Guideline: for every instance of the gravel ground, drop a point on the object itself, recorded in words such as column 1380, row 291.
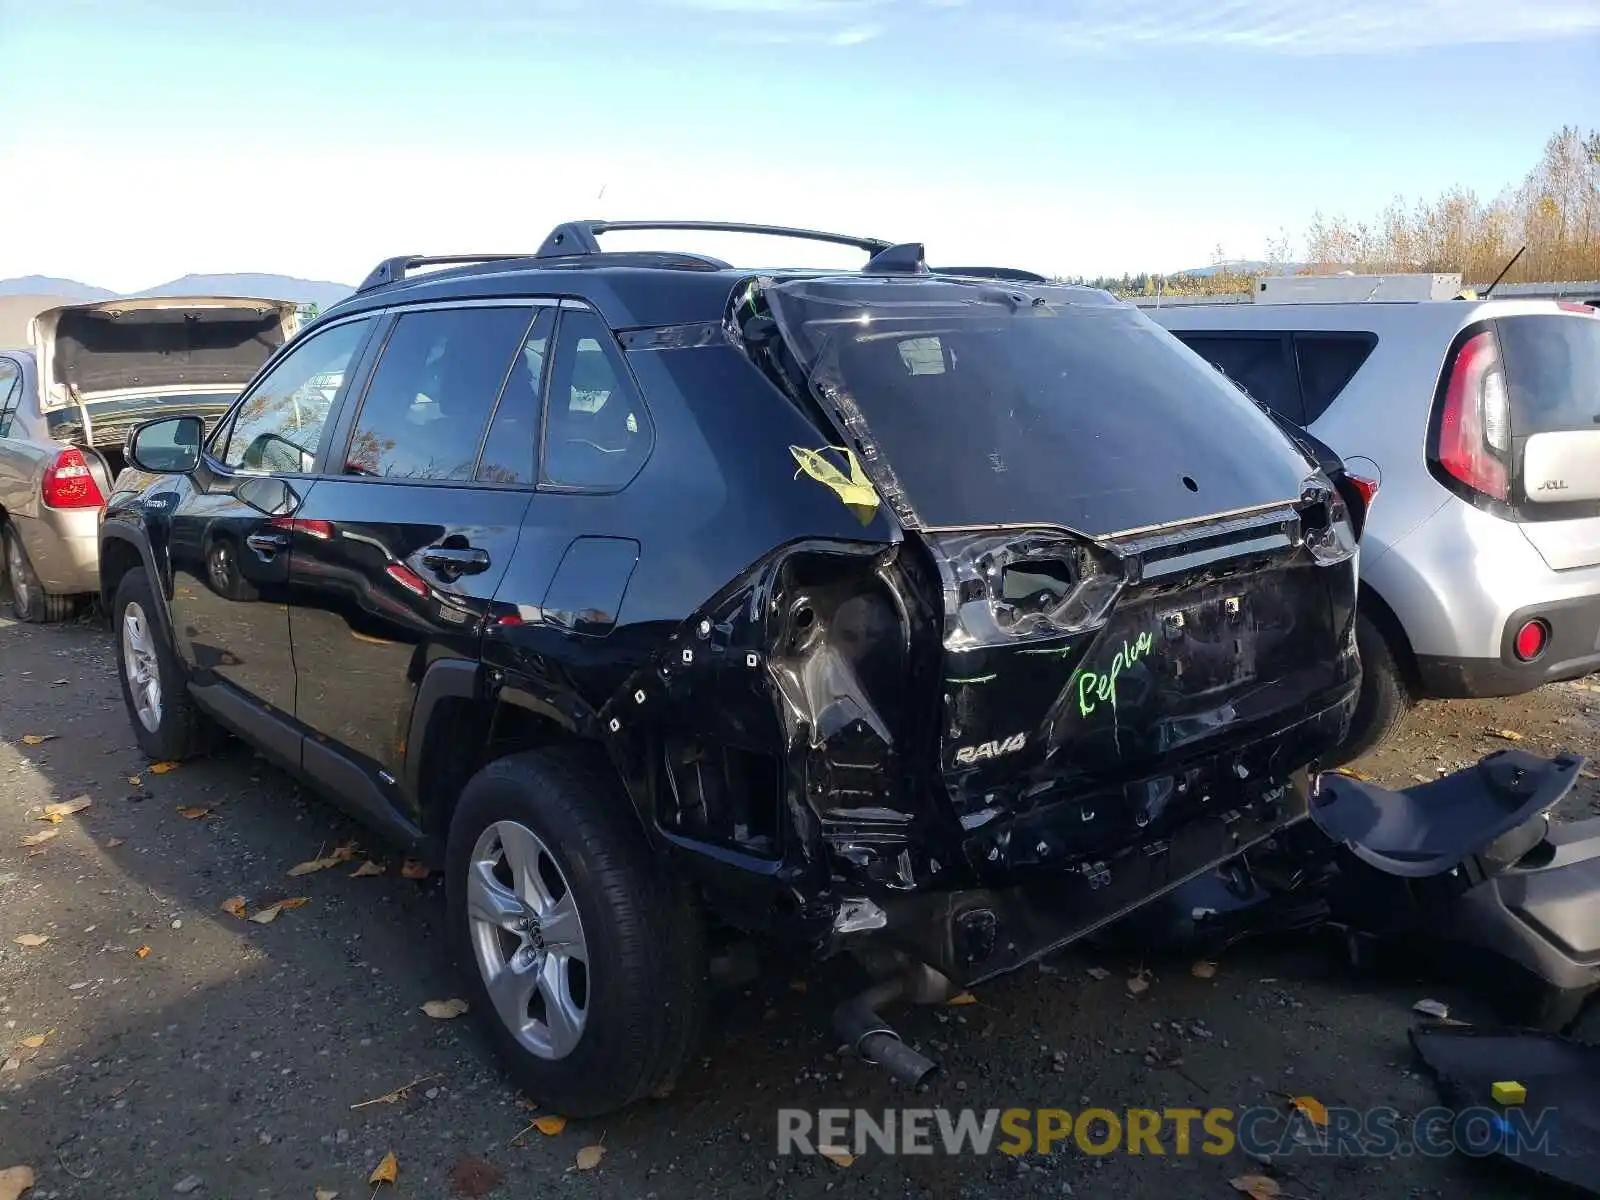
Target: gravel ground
column 224, row 1061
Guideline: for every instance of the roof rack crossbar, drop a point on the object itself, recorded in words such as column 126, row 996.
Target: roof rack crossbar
column 580, row 237
column 393, row 270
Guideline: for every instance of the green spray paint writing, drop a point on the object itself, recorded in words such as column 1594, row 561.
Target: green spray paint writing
column 1094, row 687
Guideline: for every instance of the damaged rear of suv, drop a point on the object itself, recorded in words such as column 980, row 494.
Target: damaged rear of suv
column 939, row 617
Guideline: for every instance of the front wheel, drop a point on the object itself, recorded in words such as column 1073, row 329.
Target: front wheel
column 583, row 957
column 165, row 720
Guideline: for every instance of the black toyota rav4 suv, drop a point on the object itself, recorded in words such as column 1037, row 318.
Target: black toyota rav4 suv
column 938, row 615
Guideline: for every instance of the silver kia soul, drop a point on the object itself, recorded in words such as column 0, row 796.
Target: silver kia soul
column 1480, row 564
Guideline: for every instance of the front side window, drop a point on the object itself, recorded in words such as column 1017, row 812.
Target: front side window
column 10, row 394
column 279, row 426
column 597, row 433
column 433, row 390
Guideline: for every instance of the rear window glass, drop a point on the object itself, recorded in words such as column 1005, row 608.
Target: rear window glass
column 997, row 405
column 1552, row 372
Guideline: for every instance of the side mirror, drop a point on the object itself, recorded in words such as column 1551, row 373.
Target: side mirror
column 169, row 446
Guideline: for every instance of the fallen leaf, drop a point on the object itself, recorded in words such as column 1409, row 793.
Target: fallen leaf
column 343, row 853
column 550, row 1125
column 472, row 1177
column 325, row 1194
column 142, row 952
column 1589, row 773
column 30, row 939
column 837, row 1155
column 1138, row 985
column 315, row 864
column 37, row 1040
column 1505, row 735
column 234, row 906
column 37, row 739
column 66, row 808
column 395, row 1096
column 444, row 1010
column 11, row 1064
column 367, row 868
column 1437, row 1009
column 387, row 1171
column 1099, row 973
column 14, row 1181
column 962, row 998
column 161, row 768
column 1257, row 1187
column 589, row 1158
column 412, row 869
column 135, row 780
column 194, row 813
column 40, row 838
column 269, row 914
column 1204, row 969
column 1315, row 1111
column 113, row 843
column 1351, row 773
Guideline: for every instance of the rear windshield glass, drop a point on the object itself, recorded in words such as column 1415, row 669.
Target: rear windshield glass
column 1552, row 372
column 1002, row 404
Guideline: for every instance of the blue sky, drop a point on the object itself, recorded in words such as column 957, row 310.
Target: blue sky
column 142, row 139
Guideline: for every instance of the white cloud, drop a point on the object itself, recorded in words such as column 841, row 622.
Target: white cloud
column 856, row 34
column 1303, row 27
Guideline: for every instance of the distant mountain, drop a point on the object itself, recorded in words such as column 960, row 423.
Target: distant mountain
column 1242, row 266
column 274, row 287
column 49, row 285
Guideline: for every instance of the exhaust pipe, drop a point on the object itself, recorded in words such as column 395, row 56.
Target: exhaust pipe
column 858, row 1023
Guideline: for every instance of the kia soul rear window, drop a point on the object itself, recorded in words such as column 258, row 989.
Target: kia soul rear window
column 1014, row 404
column 1552, row 368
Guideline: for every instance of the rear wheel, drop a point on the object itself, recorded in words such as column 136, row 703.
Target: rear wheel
column 583, row 957
column 165, row 720
column 29, row 601
column 1385, row 694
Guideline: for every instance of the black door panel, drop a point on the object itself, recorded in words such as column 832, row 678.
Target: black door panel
column 371, row 611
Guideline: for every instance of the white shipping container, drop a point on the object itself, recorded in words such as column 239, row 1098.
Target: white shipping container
column 1354, row 289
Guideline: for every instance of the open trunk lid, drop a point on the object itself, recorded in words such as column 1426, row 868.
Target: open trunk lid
column 1145, row 582
column 106, row 366
column 1552, row 379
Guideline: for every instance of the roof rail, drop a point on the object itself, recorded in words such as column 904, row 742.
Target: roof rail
column 579, row 237
column 393, row 270
column 1015, row 274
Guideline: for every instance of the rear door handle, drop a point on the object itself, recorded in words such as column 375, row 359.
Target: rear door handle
column 267, row 544
column 451, row 562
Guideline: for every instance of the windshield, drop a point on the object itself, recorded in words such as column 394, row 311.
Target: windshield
column 985, row 404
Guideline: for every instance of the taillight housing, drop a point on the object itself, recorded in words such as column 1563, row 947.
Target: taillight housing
column 1325, row 523
column 68, row 483
column 1023, row 585
column 1474, row 435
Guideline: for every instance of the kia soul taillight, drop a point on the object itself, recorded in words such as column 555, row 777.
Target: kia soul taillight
column 68, row 483
column 1474, row 437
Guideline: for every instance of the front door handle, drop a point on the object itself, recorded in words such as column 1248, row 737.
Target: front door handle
column 267, row 544
column 450, row 562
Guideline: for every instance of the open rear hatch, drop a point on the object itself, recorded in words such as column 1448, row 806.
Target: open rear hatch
column 107, row 366
column 1148, row 589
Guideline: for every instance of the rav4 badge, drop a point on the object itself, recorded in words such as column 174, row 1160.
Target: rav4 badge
column 968, row 755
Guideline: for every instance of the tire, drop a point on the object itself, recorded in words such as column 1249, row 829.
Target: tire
column 634, row 975
column 179, row 730
column 29, row 601
column 1385, row 695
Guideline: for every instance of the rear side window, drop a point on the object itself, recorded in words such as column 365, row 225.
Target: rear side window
column 1328, row 362
column 1258, row 363
column 1552, row 366
column 432, row 392
column 10, row 394
column 597, row 433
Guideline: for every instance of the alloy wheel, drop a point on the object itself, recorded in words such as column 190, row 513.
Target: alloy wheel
column 527, row 938
column 141, row 666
